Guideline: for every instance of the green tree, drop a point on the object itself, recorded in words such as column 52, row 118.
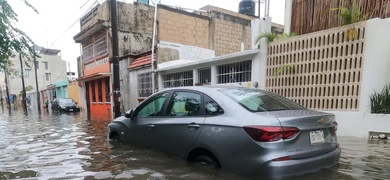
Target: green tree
column 12, row 39
column 28, row 88
column 271, row 36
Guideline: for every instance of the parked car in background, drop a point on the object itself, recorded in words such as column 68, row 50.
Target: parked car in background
column 64, row 105
column 245, row 130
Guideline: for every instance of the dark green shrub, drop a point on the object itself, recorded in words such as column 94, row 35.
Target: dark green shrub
column 380, row 102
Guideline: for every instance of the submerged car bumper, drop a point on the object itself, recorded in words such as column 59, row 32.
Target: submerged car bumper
column 297, row 167
column 70, row 109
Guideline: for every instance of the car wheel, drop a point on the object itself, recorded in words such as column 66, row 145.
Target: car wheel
column 207, row 160
column 116, row 137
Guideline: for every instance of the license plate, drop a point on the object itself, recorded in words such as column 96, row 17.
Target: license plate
column 70, row 109
column 317, row 137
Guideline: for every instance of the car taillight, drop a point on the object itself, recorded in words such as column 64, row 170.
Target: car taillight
column 335, row 125
column 270, row 133
column 286, row 158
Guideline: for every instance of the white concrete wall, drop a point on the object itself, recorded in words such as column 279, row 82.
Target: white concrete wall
column 359, row 124
column 82, row 97
column 376, row 66
column 376, row 73
column 133, row 86
column 261, row 58
column 188, row 52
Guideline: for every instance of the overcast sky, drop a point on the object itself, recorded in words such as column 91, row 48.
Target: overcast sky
column 58, row 20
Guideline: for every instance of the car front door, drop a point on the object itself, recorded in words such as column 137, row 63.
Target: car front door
column 175, row 132
column 145, row 116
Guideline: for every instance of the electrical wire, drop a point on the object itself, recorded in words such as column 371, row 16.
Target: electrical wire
column 77, row 20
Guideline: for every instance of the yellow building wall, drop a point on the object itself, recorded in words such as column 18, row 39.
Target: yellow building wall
column 73, row 91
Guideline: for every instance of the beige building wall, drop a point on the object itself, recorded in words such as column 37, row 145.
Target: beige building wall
column 230, row 36
column 231, row 30
column 184, row 28
column 213, row 28
column 56, row 70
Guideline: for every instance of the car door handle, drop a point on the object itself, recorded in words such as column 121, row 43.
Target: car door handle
column 150, row 126
column 193, row 126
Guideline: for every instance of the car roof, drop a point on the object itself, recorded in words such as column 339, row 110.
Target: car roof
column 208, row 88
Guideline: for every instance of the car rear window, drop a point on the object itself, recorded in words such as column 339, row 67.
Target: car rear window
column 259, row 101
column 65, row 100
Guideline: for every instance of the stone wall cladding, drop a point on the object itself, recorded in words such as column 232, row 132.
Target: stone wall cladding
column 230, row 30
column 135, row 17
column 174, row 26
column 98, row 12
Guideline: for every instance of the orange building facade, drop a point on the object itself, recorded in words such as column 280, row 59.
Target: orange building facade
column 96, row 72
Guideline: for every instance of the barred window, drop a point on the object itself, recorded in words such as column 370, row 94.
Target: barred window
column 145, row 84
column 178, row 79
column 235, row 72
column 204, row 76
column 107, row 84
column 27, row 72
column 47, row 76
column 100, row 91
column 95, row 46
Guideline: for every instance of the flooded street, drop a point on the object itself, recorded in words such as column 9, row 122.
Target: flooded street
column 69, row 146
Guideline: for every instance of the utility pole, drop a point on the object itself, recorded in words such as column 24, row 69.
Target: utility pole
column 36, row 82
column 115, row 60
column 153, row 61
column 24, row 105
column 1, row 97
column 6, row 89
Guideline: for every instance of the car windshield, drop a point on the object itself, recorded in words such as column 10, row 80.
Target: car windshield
column 260, row 101
column 65, row 101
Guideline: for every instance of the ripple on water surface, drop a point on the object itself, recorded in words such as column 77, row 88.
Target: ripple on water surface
column 70, row 146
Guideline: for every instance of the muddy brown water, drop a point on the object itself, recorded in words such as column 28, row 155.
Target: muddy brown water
column 71, row 146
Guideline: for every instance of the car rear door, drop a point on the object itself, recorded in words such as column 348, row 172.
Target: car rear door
column 317, row 132
column 175, row 132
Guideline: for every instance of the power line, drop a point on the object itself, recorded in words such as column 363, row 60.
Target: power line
column 64, row 33
column 84, row 4
column 77, row 20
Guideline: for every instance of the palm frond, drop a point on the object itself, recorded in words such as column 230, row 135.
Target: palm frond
column 269, row 35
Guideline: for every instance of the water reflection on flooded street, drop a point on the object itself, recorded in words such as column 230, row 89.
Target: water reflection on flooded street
column 69, row 146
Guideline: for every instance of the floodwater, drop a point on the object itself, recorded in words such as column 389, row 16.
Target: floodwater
column 70, row 146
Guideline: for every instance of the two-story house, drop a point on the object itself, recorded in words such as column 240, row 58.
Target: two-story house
column 134, row 32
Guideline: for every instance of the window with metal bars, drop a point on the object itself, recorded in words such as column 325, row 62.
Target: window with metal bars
column 178, row 79
column 100, row 91
column 204, row 76
column 95, row 46
column 107, row 84
column 145, row 84
column 235, row 72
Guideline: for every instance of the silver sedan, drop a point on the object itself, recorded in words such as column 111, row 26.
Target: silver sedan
column 245, row 130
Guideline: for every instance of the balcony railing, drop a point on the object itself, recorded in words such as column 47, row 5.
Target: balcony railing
column 94, row 50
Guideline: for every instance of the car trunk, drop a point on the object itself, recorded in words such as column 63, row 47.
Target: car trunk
column 316, row 136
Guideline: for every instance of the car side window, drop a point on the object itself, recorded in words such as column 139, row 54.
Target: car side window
column 212, row 107
column 153, row 107
column 185, row 104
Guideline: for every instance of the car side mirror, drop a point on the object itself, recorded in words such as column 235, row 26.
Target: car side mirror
column 129, row 114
